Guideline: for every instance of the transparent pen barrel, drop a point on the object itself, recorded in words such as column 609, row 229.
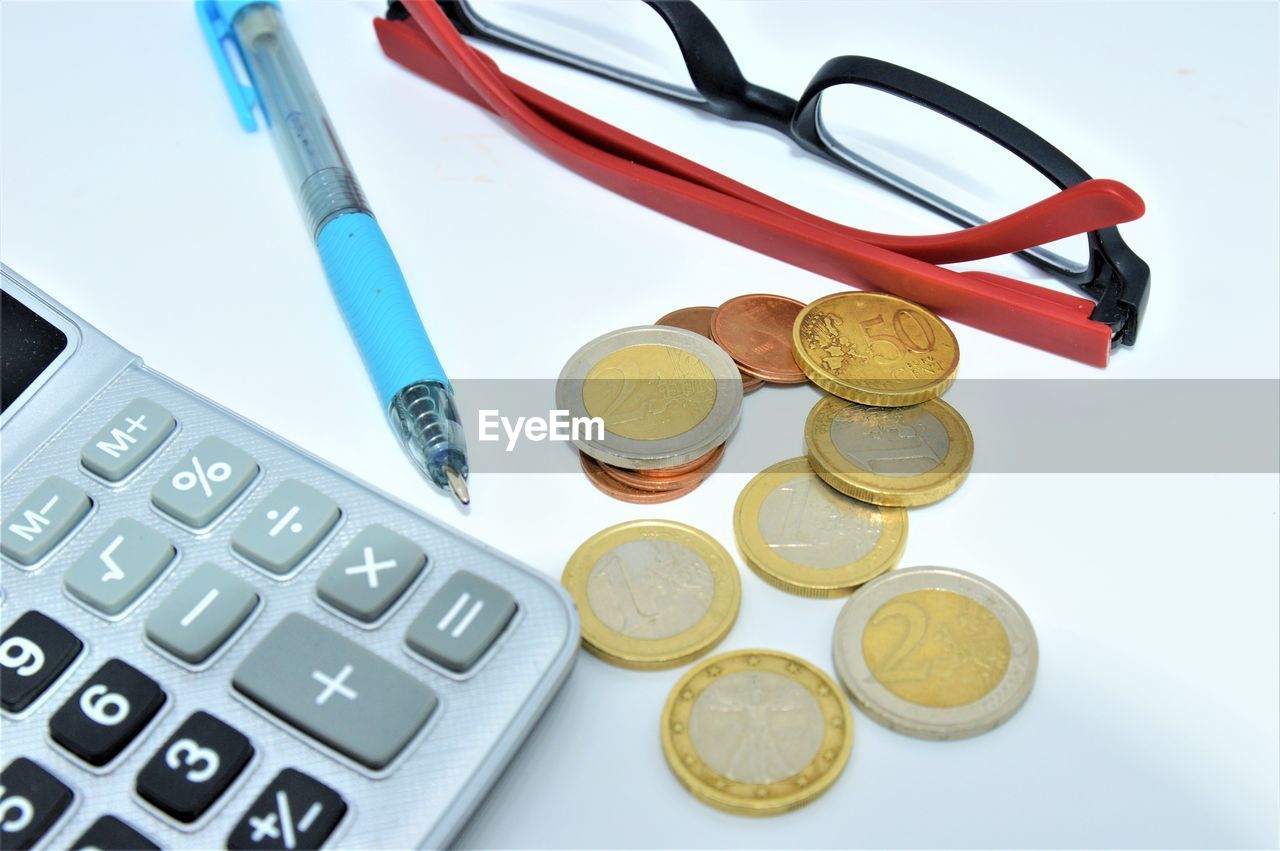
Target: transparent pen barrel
column 300, row 128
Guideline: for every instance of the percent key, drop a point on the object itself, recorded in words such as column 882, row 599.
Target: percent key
column 197, row 490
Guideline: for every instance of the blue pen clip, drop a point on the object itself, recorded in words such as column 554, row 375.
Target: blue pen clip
column 215, row 20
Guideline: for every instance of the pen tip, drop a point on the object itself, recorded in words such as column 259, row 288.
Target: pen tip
column 458, row 485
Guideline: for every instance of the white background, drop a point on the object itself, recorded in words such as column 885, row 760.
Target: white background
column 131, row 195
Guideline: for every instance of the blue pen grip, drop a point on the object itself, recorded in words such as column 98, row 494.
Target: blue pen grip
column 375, row 301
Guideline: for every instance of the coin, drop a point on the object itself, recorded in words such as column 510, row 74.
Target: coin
column 935, row 652
column 889, row 456
column 803, row 536
column 695, row 319
column 875, row 349
column 599, row 475
column 685, row 480
column 756, row 331
column 652, row 593
column 666, row 396
column 756, row 732
column 698, row 320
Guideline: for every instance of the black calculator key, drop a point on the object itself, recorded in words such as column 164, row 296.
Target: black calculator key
column 110, row 834
column 31, row 802
column 294, row 811
column 107, row 713
column 194, row 767
column 34, row 652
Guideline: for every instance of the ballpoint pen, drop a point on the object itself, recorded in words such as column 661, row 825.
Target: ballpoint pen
column 362, row 272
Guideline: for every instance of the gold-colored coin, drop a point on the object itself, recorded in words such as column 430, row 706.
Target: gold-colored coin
column 875, row 349
column 756, row 732
column 649, row 392
column 802, row 536
column 935, row 652
column 652, row 593
column 889, row 456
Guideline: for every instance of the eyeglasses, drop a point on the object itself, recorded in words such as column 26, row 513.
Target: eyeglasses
column 926, row 140
column 430, row 45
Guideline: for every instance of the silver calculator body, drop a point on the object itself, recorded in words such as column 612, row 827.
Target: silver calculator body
column 415, row 792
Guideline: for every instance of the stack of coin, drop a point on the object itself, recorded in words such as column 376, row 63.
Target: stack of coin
column 883, row 436
column 668, row 398
column 756, row 332
column 935, row 652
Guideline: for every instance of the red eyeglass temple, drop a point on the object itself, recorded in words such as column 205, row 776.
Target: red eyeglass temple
column 1054, row 321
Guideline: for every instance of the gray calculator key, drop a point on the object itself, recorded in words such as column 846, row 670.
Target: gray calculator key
column 42, row 520
column 371, row 573
column 336, row 691
column 127, row 440
column 201, row 613
column 201, row 486
column 119, row 566
column 285, row 527
column 461, row 621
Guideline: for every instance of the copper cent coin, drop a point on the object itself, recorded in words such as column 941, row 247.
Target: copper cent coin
column 616, row 489
column 756, row 332
column 707, row 461
column 698, row 320
column 695, row 319
column 643, row 480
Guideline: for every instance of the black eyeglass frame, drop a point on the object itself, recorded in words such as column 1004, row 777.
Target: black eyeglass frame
column 1115, row 278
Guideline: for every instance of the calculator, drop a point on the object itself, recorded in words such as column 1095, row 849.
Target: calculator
column 213, row 639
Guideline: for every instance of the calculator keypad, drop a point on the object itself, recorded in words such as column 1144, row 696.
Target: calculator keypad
column 197, row 489
column 285, row 527
column 461, row 621
column 198, row 617
column 194, row 767
column 34, row 651
column 107, row 713
column 294, row 811
column 31, row 802
column 371, row 573
column 42, row 520
column 128, row 439
column 120, row 565
column 111, row 834
column 336, row 691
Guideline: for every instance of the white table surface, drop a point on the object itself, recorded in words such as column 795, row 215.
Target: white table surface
column 130, row 194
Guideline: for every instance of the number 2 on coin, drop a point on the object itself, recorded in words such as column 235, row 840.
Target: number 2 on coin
column 892, row 668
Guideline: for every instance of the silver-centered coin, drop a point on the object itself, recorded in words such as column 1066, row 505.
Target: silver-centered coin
column 935, row 652
column 666, row 396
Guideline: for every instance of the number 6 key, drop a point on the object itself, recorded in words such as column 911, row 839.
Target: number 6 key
column 106, row 713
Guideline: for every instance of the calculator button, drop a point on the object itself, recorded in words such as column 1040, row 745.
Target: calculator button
column 201, row 486
column 371, row 573
column 335, row 691
column 42, row 520
column 107, row 713
column 127, row 440
column 31, row 802
column 201, row 613
column 294, row 811
column 460, row 622
column 192, row 770
column 111, row 834
column 119, row 566
column 285, row 527
column 34, row 651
